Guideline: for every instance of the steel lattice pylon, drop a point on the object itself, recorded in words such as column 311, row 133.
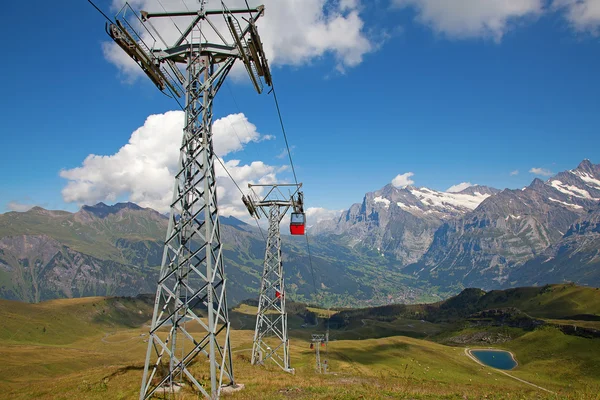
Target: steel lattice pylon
column 192, row 275
column 190, row 311
column 271, row 334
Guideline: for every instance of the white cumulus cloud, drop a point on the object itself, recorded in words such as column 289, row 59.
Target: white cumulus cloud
column 541, row 172
column 402, row 180
column 293, row 32
column 143, row 170
column 583, row 15
column 317, row 214
column 514, row 173
column 472, row 18
column 459, row 187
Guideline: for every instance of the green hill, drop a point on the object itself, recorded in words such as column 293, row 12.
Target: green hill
column 94, row 348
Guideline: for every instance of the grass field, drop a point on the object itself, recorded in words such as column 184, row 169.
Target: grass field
column 93, row 348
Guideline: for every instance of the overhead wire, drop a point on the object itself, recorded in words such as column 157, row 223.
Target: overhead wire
column 283, row 130
column 240, row 111
column 238, row 187
column 312, row 271
column 176, row 27
column 99, row 10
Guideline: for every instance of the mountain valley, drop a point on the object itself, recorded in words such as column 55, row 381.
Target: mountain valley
column 401, row 244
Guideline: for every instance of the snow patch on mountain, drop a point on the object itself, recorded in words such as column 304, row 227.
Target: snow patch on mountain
column 380, row 199
column 570, row 190
column 587, row 178
column 575, row 206
column 408, row 207
column 446, row 200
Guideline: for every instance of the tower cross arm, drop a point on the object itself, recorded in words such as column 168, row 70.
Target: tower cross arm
column 271, row 203
column 176, row 52
column 147, row 15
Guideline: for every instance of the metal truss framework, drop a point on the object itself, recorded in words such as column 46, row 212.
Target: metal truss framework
column 271, row 334
column 190, row 311
column 317, row 341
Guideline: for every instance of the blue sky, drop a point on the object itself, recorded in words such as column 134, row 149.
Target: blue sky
column 469, row 98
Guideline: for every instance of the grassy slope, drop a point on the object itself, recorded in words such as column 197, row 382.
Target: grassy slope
column 91, row 349
column 550, row 301
column 548, row 356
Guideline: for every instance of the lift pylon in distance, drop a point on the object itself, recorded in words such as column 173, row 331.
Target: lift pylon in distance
column 190, row 310
column 318, row 340
column 271, row 334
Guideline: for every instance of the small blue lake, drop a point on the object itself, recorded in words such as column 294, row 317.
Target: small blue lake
column 495, row 358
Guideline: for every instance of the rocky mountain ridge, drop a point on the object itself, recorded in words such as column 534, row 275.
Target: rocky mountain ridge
column 398, row 245
column 479, row 236
column 117, row 250
column 401, row 222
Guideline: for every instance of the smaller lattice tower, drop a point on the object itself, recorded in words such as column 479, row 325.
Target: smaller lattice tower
column 271, row 334
column 318, row 341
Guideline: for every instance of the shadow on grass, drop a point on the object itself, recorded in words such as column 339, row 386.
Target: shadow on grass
column 124, row 370
column 368, row 355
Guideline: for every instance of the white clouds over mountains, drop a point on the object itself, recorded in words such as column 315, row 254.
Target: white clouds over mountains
column 541, row 172
column 402, row 180
column 143, row 170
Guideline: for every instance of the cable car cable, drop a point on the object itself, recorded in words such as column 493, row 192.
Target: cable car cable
column 100, row 11
column 165, row 10
column 312, row 271
column 238, row 188
column 258, row 155
column 283, row 130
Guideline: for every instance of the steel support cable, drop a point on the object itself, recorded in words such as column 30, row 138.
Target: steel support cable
column 99, row 10
column 283, row 130
column 312, row 271
column 242, row 146
column 165, row 10
column 238, row 187
column 258, row 155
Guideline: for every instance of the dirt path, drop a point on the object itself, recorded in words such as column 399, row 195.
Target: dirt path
column 472, row 357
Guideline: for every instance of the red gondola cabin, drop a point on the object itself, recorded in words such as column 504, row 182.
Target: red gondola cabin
column 297, row 224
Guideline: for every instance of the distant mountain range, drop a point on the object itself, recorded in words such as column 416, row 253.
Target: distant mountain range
column 483, row 237
column 404, row 244
column 401, row 222
column 117, row 250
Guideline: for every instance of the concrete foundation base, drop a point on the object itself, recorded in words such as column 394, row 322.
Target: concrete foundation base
column 232, row 388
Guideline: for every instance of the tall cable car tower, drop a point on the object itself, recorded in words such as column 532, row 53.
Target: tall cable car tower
column 271, row 334
column 190, row 311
